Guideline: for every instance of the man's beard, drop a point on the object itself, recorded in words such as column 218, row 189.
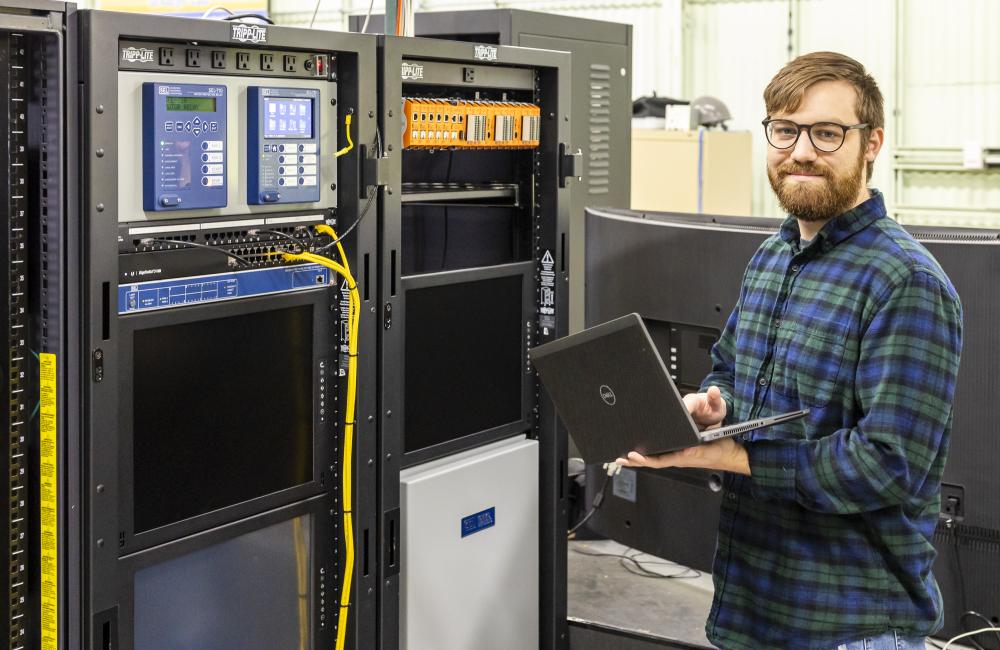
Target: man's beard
column 816, row 201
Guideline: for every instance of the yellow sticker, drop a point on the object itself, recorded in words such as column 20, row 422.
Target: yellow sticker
column 48, row 496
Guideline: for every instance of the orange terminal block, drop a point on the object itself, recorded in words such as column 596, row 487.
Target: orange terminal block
column 469, row 124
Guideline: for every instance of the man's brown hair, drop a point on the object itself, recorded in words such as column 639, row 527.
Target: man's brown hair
column 784, row 93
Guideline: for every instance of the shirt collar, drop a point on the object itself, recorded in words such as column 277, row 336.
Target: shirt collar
column 841, row 227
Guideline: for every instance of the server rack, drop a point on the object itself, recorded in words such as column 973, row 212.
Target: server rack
column 36, row 210
column 470, row 236
column 601, row 107
column 188, row 515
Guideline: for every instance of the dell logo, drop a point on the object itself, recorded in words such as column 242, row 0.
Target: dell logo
column 608, row 395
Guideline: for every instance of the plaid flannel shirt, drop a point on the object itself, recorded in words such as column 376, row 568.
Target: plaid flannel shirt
column 829, row 539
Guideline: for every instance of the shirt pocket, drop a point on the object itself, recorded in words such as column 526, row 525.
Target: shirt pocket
column 807, row 365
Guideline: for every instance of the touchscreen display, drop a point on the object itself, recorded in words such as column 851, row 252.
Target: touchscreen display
column 287, row 117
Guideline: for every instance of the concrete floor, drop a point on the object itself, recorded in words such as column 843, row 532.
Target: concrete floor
column 605, row 595
column 609, row 607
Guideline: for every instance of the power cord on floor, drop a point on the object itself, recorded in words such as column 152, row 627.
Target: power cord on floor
column 966, row 612
column 632, row 564
column 995, row 630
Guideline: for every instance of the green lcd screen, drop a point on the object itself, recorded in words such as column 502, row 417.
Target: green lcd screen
column 191, row 104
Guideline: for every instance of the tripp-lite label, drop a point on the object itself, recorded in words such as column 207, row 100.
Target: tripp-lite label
column 480, row 521
column 486, row 53
column 183, row 146
column 412, row 71
column 245, row 33
column 138, row 55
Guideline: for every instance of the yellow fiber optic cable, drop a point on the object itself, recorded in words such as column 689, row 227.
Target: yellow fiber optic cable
column 347, row 131
column 354, row 309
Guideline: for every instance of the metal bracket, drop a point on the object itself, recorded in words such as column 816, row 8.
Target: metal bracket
column 374, row 170
column 570, row 165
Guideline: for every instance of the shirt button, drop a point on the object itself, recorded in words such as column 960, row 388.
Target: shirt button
column 795, row 268
column 762, row 381
column 731, row 496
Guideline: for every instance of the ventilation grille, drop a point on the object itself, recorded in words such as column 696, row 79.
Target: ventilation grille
column 599, row 153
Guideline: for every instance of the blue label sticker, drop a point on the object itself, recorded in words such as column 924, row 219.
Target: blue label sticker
column 479, row 521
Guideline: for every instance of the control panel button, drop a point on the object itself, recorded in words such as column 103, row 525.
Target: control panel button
column 270, row 197
column 211, row 157
column 170, row 201
column 212, row 145
column 307, row 148
column 308, row 170
column 307, row 181
column 307, row 159
column 211, row 181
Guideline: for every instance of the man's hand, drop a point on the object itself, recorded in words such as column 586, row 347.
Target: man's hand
column 726, row 455
column 707, row 409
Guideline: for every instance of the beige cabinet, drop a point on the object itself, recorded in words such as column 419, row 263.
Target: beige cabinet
column 666, row 165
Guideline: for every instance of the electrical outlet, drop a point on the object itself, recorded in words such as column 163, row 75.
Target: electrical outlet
column 289, row 63
column 952, row 502
column 468, row 75
column 243, row 60
column 267, row 62
column 192, row 58
column 218, row 59
column 166, row 56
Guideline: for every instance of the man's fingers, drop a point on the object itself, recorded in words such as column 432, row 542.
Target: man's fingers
column 673, row 459
column 714, row 396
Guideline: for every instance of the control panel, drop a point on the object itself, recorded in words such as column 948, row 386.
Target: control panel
column 183, row 146
column 283, row 161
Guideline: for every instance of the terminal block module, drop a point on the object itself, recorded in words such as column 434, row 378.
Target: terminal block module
column 470, row 124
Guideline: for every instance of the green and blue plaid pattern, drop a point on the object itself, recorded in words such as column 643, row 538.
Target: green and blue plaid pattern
column 829, row 539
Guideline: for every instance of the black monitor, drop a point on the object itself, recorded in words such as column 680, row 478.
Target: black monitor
column 464, row 362
column 222, row 416
column 682, row 272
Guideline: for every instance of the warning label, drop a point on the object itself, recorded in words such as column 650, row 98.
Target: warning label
column 49, row 512
column 547, row 294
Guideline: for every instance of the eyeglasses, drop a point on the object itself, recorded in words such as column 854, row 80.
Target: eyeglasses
column 824, row 136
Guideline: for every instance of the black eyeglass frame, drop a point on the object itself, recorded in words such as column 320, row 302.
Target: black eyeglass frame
column 808, row 129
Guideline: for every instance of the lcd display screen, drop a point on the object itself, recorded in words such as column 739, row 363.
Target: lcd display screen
column 222, row 411
column 253, row 591
column 464, row 359
column 191, row 104
column 288, row 117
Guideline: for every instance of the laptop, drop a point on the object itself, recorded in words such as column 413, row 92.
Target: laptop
column 615, row 394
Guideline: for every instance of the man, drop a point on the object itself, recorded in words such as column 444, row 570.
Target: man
column 825, row 529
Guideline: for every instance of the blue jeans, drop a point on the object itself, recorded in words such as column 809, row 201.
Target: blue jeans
column 887, row 641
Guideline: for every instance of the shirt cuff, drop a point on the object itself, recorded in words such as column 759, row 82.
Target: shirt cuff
column 772, row 469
